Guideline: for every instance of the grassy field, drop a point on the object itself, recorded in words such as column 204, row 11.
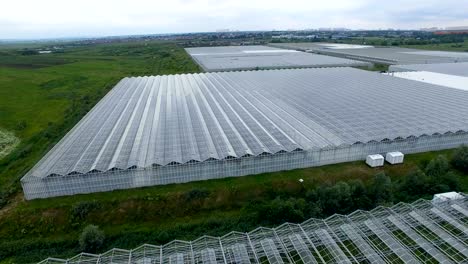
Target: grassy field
column 43, row 96
column 444, row 46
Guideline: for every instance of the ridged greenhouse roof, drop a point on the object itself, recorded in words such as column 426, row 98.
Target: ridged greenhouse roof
column 263, row 57
column 175, row 119
column 388, row 55
column 421, row 232
column 459, row 69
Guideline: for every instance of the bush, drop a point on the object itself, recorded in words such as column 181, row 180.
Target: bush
column 437, row 167
column 335, row 198
column 80, row 210
column 460, row 159
column 91, row 239
column 196, row 194
column 359, row 195
column 277, row 211
column 382, row 189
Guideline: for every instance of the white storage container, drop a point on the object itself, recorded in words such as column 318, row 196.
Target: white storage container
column 375, row 160
column 394, row 157
column 448, row 196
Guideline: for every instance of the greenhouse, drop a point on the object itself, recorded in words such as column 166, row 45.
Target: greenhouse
column 181, row 128
column 447, row 80
column 230, row 58
column 458, row 69
column 420, row 232
column 384, row 55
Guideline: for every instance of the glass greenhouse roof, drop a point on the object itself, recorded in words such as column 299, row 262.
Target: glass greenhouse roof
column 459, row 69
column 387, row 55
column 263, row 57
column 420, row 232
column 176, row 119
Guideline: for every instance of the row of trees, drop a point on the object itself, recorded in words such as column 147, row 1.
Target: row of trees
column 437, row 176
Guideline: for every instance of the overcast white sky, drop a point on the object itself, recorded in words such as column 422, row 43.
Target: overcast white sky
column 76, row 18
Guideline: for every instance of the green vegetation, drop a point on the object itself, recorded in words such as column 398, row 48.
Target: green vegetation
column 34, row 230
column 460, row 159
column 459, row 46
column 375, row 67
column 8, row 142
column 91, row 239
column 42, row 96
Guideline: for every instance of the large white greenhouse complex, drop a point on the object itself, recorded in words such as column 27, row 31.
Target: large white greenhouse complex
column 421, row 232
column 181, row 128
column 229, row 58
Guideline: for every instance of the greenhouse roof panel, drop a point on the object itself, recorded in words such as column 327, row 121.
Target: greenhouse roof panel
column 163, row 120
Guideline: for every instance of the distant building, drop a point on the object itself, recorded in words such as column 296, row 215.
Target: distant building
column 452, row 30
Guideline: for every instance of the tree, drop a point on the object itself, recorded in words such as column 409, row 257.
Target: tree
column 381, row 189
column 279, row 211
column 359, row 195
column 414, row 185
column 460, row 159
column 437, row 167
column 332, row 199
column 91, row 239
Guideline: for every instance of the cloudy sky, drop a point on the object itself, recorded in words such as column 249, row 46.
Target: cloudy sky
column 76, row 18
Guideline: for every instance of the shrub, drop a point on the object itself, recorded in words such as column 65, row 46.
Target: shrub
column 335, row 198
column 460, row 159
column 381, row 189
column 91, row 239
column 437, row 167
column 196, row 194
column 80, row 210
column 359, row 195
column 277, row 211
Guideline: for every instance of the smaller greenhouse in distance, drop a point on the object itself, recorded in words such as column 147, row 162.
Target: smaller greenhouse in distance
column 420, row 232
column 457, row 69
column 384, row 55
column 231, row 58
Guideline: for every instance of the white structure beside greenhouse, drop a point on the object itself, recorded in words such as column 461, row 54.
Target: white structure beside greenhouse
column 181, row 128
column 394, row 157
column 457, row 69
column 375, row 160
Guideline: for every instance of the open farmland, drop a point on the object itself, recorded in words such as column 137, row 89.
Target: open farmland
column 42, row 96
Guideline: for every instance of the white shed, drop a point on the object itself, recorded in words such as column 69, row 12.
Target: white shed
column 448, row 196
column 394, row 157
column 375, row 160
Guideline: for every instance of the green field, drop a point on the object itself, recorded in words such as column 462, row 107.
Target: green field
column 443, row 46
column 43, row 96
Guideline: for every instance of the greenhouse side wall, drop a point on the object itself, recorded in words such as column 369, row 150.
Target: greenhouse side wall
column 35, row 187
